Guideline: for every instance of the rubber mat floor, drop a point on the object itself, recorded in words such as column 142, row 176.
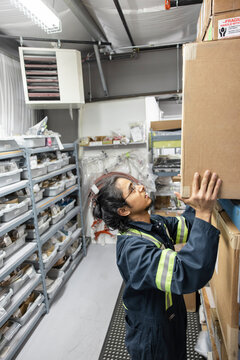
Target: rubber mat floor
column 114, row 347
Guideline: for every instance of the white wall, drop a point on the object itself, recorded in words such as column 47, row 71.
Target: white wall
column 100, row 118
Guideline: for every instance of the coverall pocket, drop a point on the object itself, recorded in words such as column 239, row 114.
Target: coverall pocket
column 136, row 341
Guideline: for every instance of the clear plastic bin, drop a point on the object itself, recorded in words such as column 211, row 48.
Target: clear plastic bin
column 40, row 170
column 13, row 212
column 7, row 335
column 26, row 316
column 69, row 206
column 2, row 256
column 76, row 252
column 20, row 278
column 65, row 161
column 58, row 279
column 5, row 297
column 62, row 244
column 54, row 165
column 12, row 248
column 31, row 141
column 54, row 190
column 57, row 217
column 10, row 177
column 70, row 182
column 31, row 233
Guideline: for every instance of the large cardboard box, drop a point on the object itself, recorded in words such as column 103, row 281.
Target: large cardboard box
column 204, row 19
column 223, row 26
column 224, row 283
column 166, row 125
column 211, row 108
column 224, row 5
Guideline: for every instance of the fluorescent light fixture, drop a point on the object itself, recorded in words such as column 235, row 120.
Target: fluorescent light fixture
column 40, row 14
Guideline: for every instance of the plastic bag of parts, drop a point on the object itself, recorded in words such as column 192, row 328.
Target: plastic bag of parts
column 203, row 345
column 39, row 128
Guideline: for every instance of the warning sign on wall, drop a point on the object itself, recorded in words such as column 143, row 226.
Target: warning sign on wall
column 229, row 27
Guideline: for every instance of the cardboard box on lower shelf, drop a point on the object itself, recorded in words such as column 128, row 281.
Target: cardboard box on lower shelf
column 217, row 335
column 224, row 283
column 223, row 26
column 190, row 302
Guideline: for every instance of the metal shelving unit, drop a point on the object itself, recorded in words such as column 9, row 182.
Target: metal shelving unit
column 21, row 255
column 113, row 146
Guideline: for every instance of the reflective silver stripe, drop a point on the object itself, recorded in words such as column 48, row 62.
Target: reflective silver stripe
column 165, row 270
column 182, row 230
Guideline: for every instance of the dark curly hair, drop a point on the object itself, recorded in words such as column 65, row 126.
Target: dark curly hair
column 107, row 202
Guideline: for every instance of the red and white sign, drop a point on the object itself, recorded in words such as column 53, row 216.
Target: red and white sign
column 229, row 27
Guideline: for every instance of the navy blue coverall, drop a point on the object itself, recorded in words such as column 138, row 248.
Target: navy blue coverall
column 155, row 278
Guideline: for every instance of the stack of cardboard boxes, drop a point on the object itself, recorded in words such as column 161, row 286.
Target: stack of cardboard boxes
column 210, row 140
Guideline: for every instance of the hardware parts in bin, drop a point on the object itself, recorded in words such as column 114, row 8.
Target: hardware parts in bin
column 18, row 278
column 167, row 163
column 49, row 251
column 11, row 242
column 53, row 282
column 7, row 333
column 25, row 310
column 44, row 220
column 25, row 193
column 9, row 172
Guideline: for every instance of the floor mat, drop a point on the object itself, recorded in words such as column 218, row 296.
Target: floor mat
column 114, row 346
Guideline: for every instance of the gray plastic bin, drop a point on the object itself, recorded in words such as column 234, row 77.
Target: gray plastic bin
column 31, row 233
column 10, row 177
column 24, row 318
column 54, row 165
column 11, row 213
column 54, row 190
column 12, row 248
column 57, row 217
column 40, row 170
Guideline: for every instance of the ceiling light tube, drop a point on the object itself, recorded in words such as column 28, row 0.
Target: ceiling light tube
column 40, row 14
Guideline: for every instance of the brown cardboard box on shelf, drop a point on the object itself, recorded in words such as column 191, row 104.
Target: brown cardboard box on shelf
column 165, row 125
column 204, row 18
column 224, row 5
column 223, row 26
column 162, row 202
column 211, row 108
column 224, row 283
column 168, row 212
column 217, row 335
column 190, row 302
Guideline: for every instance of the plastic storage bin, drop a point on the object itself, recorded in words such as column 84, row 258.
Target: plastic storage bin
column 13, row 212
column 31, row 141
column 77, row 251
column 37, row 301
column 2, row 256
column 8, row 144
column 62, row 244
column 10, row 177
column 19, row 278
column 54, row 165
column 5, row 297
column 54, row 190
column 31, row 233
column 65, row 161
column 40, row 170
column 69, row 206
column 70, row 182
column 57, row 278
column 12, row 248
column 58, row 217
column 7, row 332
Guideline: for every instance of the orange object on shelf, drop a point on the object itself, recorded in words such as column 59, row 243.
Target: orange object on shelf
column 167, row 5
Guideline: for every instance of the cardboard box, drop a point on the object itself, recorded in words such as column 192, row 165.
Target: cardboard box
column 166, row 125
column 211, row 108
column 204, row 19
column 190, row 302
column 224, row 26
column 162, row 202
column 224, row 283
column 217, row 335
column 219, row 6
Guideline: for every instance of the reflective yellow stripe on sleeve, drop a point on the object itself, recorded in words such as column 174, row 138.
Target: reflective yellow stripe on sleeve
column 165, row 270
column 182, row 230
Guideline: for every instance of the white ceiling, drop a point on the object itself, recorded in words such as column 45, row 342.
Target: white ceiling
column 148, row 21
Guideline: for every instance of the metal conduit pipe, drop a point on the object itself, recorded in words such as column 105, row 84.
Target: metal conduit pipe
column 120, row 12
column 28, row 38
column 96, row 50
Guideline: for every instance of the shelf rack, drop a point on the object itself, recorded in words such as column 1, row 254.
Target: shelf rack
column 16, row 259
